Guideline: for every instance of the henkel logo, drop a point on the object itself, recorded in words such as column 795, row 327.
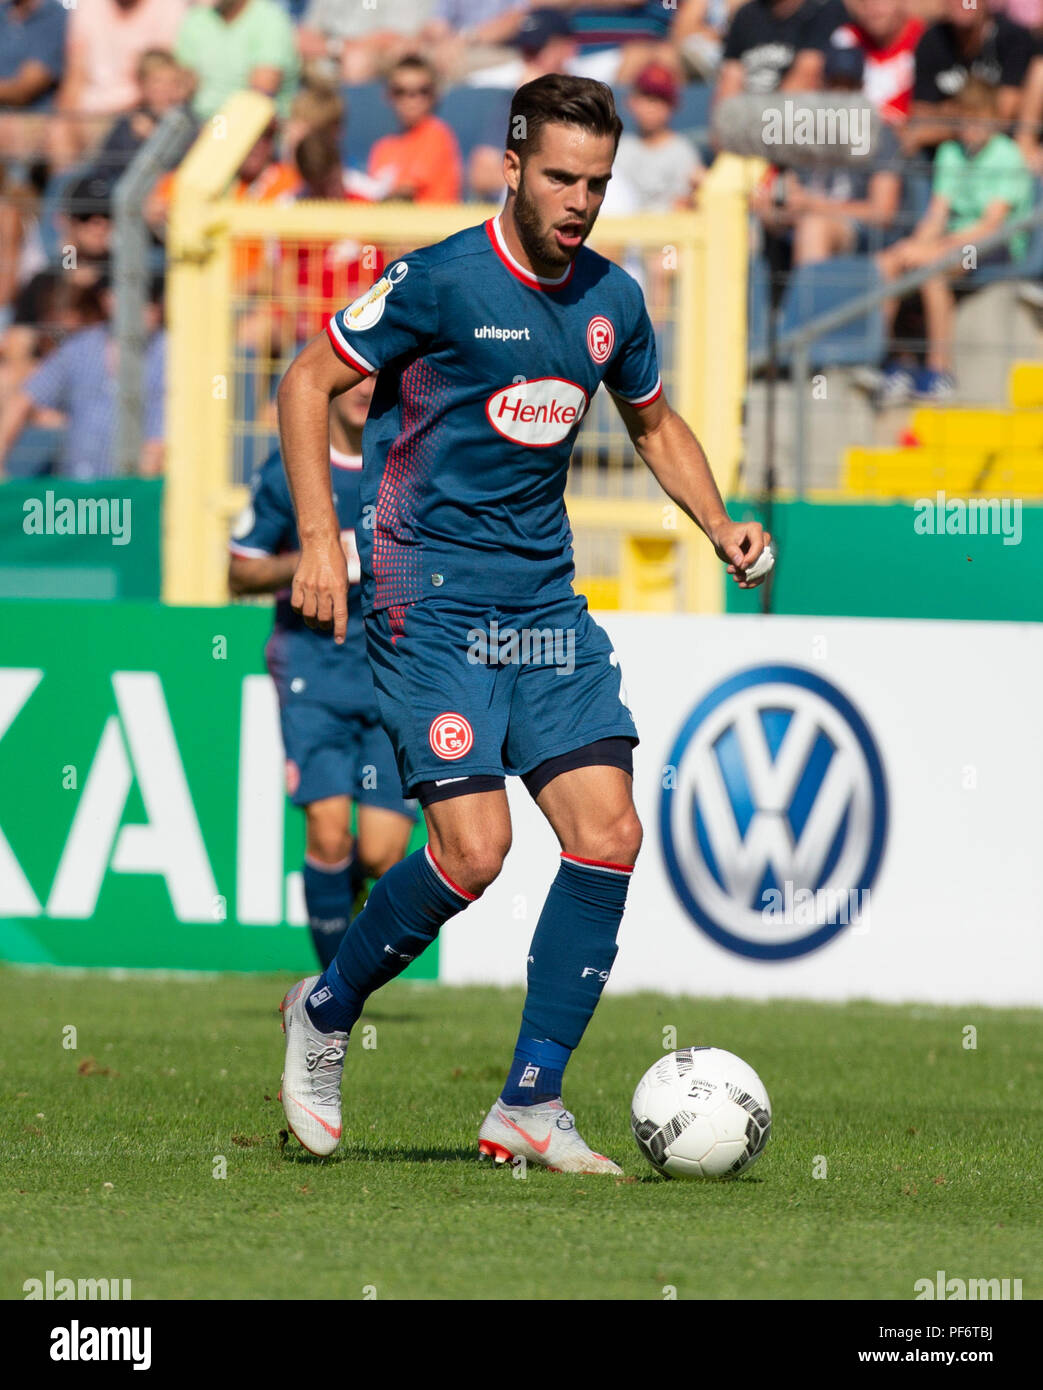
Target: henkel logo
column 537, row 413
column 601, row 338
column 450, row 736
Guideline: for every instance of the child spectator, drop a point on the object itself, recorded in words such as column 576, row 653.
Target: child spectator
column 661, row 167
column 104, row 40
column 422, row 162
column 980, row 180
column 968, row 42
column 163, row 85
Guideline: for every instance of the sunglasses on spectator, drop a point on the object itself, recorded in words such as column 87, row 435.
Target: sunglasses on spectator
column 425, row 91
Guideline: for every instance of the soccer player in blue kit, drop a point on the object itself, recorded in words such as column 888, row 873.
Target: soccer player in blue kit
column 335, row 745
column 489, row 347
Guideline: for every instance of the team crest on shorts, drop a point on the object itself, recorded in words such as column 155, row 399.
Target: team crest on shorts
column 450, row 736
column 601, row 338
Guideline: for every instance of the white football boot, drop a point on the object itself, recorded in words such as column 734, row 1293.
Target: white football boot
column 544, row 1134
column 311, row 1076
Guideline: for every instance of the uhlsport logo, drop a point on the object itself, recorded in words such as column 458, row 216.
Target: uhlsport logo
column 775, row 782
column 601, row 338
column 538, row 413
column 451, row 736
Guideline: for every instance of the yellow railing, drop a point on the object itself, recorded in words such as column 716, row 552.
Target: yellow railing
column 236, row 308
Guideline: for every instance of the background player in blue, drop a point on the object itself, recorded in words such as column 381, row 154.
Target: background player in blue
column 490, row 346
column 336, row 748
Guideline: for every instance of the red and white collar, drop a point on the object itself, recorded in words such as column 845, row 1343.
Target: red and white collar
column 339, row 460
column 527, row 277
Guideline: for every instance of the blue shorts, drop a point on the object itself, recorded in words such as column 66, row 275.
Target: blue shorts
column 468, row 690
column 333, row 754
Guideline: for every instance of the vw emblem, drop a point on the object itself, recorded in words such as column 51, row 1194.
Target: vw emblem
column 777, row 795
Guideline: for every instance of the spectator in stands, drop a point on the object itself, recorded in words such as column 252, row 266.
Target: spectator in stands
column 698, row 34
column 762, row 43
column 78, row 381
column 422, row 162
column 361, row 42
column 318, row 105
column 980, row 180
column 233, row 45
column 465, row 35
column 22, row 253
column 543, row 44
column 616, row 40
column 886, row 33
column 847, row 209
column 323, row 174
column 32, row 55
column 163, row 85
column 661, row 167
column 966, row 43
column 104, row 41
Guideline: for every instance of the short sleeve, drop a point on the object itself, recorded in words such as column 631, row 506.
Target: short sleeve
column 266, row 525
column 926, row 69
column 273, row 43
column 633, row 374
column 1015, row 55
column 1009, row 180
column 395, row 316
column 735, row 43
column 51, row 50
column 49, row 384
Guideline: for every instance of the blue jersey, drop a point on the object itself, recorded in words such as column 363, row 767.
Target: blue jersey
column 308, row 665
column 486, row 371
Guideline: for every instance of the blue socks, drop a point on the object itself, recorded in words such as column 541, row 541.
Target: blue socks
column 403, row 914
column 570, row 959
column 329, row 892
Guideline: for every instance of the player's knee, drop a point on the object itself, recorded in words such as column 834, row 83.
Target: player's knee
column 615, row 840
column 476, row 861
column 327, row 840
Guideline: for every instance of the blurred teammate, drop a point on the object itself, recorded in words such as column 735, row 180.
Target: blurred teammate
column 490, row 346
column 336, row 750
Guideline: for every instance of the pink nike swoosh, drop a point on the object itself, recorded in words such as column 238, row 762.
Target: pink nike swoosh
column 333, row 1133
column 541, row 1148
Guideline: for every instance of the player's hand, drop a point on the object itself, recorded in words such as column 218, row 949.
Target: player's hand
column 740, row 544
column 320, row 588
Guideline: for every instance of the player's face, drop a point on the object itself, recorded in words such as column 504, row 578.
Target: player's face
column 559, row 191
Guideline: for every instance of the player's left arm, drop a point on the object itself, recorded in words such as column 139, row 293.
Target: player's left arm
column 676, row 459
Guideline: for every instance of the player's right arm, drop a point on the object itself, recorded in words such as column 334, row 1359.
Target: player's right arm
column 320, row 583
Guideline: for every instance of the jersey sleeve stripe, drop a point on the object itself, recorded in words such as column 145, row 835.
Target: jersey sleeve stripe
column 248, row 552
column 344, row 352
column 647, row 398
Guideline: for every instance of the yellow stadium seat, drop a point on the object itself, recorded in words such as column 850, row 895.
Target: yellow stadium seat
column 1025, row 385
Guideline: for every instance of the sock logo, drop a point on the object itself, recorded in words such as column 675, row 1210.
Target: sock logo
column 529, row 1075
column 320, row 996
column 593, row 970
column 400, row 955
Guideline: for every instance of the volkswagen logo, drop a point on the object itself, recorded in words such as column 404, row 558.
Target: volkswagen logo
column 776, row 791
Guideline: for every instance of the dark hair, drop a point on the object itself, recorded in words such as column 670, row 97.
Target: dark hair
column 416, row 63
column 558, row 99
column 318, row 155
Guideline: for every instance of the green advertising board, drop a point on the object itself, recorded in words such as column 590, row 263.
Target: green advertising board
column 143, row 817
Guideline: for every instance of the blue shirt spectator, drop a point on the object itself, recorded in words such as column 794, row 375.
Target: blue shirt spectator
column 32, row 52
column 79, row 379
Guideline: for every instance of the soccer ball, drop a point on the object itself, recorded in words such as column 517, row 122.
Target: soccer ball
column 701, row 1113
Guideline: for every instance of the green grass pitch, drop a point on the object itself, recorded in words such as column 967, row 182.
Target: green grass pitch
column 929, row 1149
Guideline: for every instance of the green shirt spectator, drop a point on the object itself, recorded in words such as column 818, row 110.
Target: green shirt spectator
column 235, row 45
column 969, row 183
